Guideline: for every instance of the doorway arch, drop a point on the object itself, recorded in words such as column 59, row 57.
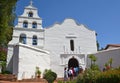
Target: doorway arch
column 73, row 62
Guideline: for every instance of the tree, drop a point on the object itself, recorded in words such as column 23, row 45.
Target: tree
column 7, row 16
column 3, row 65
column 93, row 60
column 90, row 57
column 110, row 62
column 3, row 54
column 98, row 46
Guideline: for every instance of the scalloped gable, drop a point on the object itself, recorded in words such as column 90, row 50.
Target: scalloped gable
column 30, row 8
column 68, row 21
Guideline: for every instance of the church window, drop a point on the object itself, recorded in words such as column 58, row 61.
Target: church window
column 72, row 45
column 34, row 40
column 30, row 14
column 34, row 25
column 25, row 24
column 22, row 38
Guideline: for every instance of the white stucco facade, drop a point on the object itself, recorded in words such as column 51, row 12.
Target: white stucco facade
column 62, row 45
column 58, row 41
column 27, row 58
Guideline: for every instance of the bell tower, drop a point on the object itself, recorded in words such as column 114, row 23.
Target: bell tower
column 29, row 29
column 28, row 36
column 30, row 18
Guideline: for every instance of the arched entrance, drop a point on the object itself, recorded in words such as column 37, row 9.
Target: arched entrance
column 73, row 62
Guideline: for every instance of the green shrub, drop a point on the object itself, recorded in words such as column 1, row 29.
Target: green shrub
column 111, row 76
column 80, row 79
column 6, row 72
column 59, row 81
column 50, row 76
column 89, row 76
column 70, row 81
column 95, row 76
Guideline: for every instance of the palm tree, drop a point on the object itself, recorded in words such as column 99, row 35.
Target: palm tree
column 110, row 62
column 93, row 59
column 90, row 57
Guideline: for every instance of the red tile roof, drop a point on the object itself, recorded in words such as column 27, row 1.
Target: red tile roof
column 112, row 45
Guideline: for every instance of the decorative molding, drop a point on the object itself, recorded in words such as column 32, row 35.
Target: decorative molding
column 29, row 29
column 71, row 36
column 29, row 17
column 42, row 38
column 32, row 48
column 65, row 58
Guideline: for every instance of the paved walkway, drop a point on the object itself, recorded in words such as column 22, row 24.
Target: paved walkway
column 20, row 82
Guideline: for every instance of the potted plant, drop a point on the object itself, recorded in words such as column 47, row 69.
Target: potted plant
column 107, row 66
column 38, row 72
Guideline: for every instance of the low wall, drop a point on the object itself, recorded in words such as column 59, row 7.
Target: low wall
column 104, row 56
column 7, row 77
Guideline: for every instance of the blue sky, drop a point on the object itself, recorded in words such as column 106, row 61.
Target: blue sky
column 103, row 16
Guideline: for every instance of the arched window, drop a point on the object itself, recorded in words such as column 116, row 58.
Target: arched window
column 34, row 25
column 22, row 38
column 25, row 24
column 30, row 14
column 34, row 40
column 72, row 45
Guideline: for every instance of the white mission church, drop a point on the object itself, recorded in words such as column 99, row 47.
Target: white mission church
column 61, row 45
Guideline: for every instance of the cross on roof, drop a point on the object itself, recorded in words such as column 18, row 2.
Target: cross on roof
column 31, row 2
